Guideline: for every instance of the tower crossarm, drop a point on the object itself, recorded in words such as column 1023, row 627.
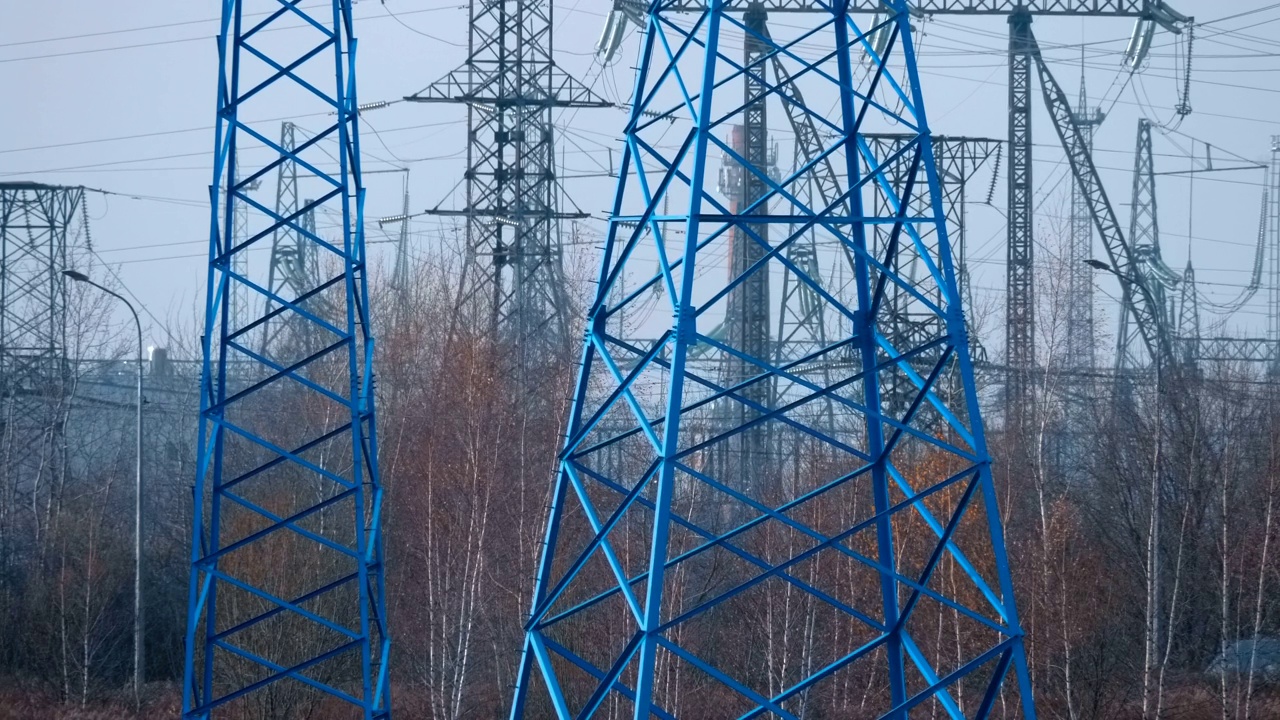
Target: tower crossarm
column 1234, row 350
column 479, row 85
column 511, row 86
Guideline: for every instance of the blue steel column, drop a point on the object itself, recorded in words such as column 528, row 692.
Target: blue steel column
column 659, row 563
column 864, row 332
column 1015, row 654
column 684, row 330
column 286, row 597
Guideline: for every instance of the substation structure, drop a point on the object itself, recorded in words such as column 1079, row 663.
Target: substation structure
column 806, row 427
column 287, row 449
column 665, row 566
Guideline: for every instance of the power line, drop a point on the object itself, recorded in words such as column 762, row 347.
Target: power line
column 155, row 43
column 121, row 31
column 202, row 153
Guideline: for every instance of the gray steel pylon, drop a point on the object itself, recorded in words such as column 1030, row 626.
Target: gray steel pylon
column 1152, row 272
column 1080, row 324
column 293, row 269
column 34, row 371
column 1273, row 228
column 510, row 85
column 1020, row 348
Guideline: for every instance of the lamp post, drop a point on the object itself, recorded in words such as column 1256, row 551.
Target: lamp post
column 1135, row 280
column 138, row 623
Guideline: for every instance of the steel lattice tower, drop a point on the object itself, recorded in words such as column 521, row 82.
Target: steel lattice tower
column 958, row 159
column 1155, row 275
column 1020, row 343
column 644, row 578
column 34, row 220
column 1080, row 329
column 34, row 374
column 511, row 85
column 292, row 269
column 292, row 259
column 1273, row 242
column 1188, row 317
column 286, row 607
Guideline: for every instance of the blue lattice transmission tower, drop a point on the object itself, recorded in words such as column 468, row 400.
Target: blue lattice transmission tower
column 665, row 574
column 286, row 614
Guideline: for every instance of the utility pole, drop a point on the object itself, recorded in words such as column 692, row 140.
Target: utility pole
column 292, row 269
column 746, row 321
column 1273, row 228
column 957, row 160
column 139, row 614
column 1156, row 277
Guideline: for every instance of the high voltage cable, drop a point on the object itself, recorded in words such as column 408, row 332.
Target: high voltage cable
column 127, row 30
column 969, row 51
column 397, row 16
column 191, row 154
column 158, row 133
column 89, row 51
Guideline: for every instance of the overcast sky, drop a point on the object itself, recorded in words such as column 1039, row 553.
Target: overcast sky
column 121, row 98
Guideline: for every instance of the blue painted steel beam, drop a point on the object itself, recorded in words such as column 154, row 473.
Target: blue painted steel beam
column 286, row 597
column 648, row 501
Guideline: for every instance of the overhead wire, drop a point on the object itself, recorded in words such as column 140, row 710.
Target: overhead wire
column 156, row 43
column 608, row 85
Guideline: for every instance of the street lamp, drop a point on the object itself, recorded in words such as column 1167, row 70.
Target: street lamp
column 138, row 623
column 1136, row 281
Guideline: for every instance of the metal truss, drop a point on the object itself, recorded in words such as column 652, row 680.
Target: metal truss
column 660, row 568
column 286, row 596
column 1147, row 311
column 1081, row 344
column 1020, row 326
column 293, row 268
column 511, row 85
column 1188, row 313
column 958, row 159
column 34, row 374
column 1068, row 8
column 1232, row 350
column 34, row 220
column 747, row 312
column 238, row 299
column 1073, row 386
column 1151, row 272
column 801, row 321
column 747, row 307
column 1272, row 222
column 800, row 324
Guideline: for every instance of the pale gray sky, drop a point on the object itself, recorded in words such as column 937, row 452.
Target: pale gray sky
column 121, row 97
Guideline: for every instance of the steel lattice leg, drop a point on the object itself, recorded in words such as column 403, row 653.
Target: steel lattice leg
column 663, row 573
column 286, row 606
